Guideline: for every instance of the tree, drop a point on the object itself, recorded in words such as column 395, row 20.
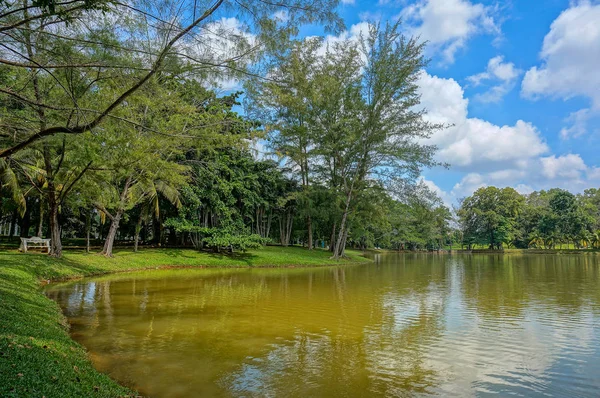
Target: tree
column 489, row 215
column 387, row 145
column 138, row 164
column 286, row 103
column 130, row 44
column 352, row 113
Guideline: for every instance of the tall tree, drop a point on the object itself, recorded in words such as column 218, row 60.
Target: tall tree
column 489, row 215
column 388, row 144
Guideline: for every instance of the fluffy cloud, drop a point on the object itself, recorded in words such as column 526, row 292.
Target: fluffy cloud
column 568, row 166
column 220, row 41
column 501, row 74
column 578, row 123
column 443, row 195
column 472, row 143
column 565, row 171
column 570, row 57
column 448, row 24
column 489, row 154
column 281, row 16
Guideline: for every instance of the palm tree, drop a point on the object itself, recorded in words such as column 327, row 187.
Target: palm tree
column 595, row 239
column 143, row 190
column 536, row 241
column 10, row 182
column 150, row 204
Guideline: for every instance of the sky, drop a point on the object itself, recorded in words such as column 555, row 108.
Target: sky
column 519, row 81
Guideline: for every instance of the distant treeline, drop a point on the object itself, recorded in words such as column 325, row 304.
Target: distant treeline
column 502, row 217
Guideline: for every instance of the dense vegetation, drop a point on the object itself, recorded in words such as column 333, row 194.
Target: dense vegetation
column 113, row 128
column 552, row 219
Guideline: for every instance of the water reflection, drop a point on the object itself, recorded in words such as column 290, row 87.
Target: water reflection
column 406, row 325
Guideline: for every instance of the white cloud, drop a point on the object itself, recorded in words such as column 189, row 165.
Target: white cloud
column 224, row 39
column 593, row 174
column 578, row 123
column 470, row 143
column 347, row 1
column 448, row 24
column 488, row 154
column 565, row 171
column 469, row 184
column 570, row 57
column 355, row 32
column 443, row 195
column 524, row 189
column 219, row 41
column 568, row 166
column 502, row 74
column 496, row 69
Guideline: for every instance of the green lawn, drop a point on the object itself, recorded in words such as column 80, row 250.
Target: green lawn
column 37, row 356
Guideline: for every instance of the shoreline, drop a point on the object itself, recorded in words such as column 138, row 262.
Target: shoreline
column 487, row 251
column 38, row 357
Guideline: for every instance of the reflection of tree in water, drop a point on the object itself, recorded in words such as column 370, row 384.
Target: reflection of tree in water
column 522, row 316
column 505, row 286
column 407, row 325
column 381, row 350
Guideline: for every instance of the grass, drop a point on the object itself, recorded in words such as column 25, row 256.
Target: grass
column 37, row 356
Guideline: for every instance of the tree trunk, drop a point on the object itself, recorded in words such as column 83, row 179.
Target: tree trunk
column 13, row 223
column 338, row 251
column 310, row 232
column 40, row 228
column 269, row 221
column 88, row 227
column 286, row 221
column 290, row 222
column 55, row 239
column 332, row 240
column 138, row 228
column 344, row 242
column 115, row 220
column 25, row 222
column 112, row 233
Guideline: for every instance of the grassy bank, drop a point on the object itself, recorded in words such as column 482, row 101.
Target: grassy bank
column 37, row 356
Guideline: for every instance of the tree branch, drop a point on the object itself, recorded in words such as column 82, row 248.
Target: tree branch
column 63, row 194
column 88, row 126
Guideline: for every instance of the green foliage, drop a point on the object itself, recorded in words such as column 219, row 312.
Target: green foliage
column 544, row 219
column 489, row 216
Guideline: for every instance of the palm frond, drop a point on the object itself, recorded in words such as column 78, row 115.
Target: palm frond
column 9, row 180
column 169, row 192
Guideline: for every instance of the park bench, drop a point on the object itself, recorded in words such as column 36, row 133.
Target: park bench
column 35, row 242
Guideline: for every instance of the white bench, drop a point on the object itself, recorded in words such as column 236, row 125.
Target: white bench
column 36, row 242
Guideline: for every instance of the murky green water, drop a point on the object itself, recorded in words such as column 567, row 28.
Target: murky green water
column 407, row 325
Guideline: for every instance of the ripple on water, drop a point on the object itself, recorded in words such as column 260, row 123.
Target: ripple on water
column 411, row 325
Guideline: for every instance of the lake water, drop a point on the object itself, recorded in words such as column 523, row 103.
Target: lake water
column 407, row 325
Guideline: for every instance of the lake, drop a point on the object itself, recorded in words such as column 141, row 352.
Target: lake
column 407, row 325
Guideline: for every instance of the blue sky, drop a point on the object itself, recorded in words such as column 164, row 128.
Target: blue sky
column 518, row 79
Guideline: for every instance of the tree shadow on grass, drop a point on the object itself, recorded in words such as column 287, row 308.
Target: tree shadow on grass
column 177, row 252
column 246, row 257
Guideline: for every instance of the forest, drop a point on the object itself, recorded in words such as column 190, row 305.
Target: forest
column 224, row 131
